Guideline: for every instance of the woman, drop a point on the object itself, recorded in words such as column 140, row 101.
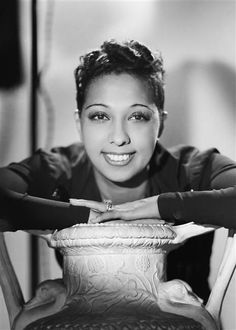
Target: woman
column 120, row 117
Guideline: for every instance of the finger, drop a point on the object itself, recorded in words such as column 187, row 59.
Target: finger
column 115, row 221
column 115, row 215
column 102, row 219
column 91, row 220
column 126, row 216
column 92, row 215
column 149, row 221
column 111, row 215
column 98, row 206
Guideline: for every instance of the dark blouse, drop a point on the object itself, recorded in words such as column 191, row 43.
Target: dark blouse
column 192, row 186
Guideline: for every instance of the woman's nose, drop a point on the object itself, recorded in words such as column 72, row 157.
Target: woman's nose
column 119, row 135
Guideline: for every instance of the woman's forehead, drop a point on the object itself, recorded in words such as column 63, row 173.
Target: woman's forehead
column 121, row 87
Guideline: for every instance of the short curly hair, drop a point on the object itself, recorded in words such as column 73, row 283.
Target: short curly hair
column 121, row 57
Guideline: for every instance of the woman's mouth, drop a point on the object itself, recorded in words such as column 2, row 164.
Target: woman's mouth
column 118, row 159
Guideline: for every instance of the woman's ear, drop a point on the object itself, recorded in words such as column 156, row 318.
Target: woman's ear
column 78, row 122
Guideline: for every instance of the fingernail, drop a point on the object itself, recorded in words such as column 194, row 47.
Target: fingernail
column 92, row 220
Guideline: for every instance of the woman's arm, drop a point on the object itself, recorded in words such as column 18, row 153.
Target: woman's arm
column 214, row 207
column 21, row 211
column 18, row 210
column 12, row 181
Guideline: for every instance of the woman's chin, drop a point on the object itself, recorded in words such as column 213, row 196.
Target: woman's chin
column 124, row 176
column 118, row 176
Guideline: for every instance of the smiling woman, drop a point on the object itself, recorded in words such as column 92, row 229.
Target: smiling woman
column 119, row 125
column 120, row 117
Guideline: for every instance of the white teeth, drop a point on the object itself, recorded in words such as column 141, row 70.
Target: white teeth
column 118, row 158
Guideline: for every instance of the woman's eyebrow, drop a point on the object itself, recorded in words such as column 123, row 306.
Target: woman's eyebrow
column 141, row 105
column 96, row 105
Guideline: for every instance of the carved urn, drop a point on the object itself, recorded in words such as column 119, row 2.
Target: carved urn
column 114, row 278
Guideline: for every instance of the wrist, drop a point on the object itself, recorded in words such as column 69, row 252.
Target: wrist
column 153, row 209
column 157, row 207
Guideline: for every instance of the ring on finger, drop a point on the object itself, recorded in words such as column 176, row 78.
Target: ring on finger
column 108, row 204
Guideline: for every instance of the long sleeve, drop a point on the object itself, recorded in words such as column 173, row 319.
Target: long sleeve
column 27, row 193
column 21, row 211
column 216, row 206
column 198, row 187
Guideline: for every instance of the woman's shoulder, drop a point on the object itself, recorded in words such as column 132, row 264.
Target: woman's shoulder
column 188, row 153
column 57, row 162
column 64, row 158
column 186, row 167
column 202, row 167
column 184, row 163
column 73, row 153
column 182, row 155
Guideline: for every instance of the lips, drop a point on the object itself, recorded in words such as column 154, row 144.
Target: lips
column 118, row 159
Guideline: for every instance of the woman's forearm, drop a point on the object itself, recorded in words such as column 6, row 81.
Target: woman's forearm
column 11, row 180
column 216, row 207
column 20, row 212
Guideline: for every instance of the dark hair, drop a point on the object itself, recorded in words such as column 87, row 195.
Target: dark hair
column 121, row 57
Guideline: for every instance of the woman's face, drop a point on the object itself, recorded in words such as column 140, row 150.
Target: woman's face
column 119, row 126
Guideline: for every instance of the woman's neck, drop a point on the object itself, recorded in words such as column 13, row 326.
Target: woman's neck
column 122, row 192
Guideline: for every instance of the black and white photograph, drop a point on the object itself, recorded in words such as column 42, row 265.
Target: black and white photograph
column 117, row 164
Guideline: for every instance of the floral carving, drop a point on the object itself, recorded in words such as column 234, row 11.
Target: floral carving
column 142, row 263
column 95, row 264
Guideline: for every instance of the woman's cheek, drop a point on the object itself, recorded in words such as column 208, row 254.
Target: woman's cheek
column 147, row 134
column 93, row 132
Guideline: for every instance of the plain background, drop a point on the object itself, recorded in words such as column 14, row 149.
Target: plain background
column 197, row 41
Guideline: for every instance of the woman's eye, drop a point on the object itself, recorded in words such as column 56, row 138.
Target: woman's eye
column 139, row 116
column 98, row 116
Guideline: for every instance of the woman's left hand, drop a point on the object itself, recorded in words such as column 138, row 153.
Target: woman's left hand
column 143, row 209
